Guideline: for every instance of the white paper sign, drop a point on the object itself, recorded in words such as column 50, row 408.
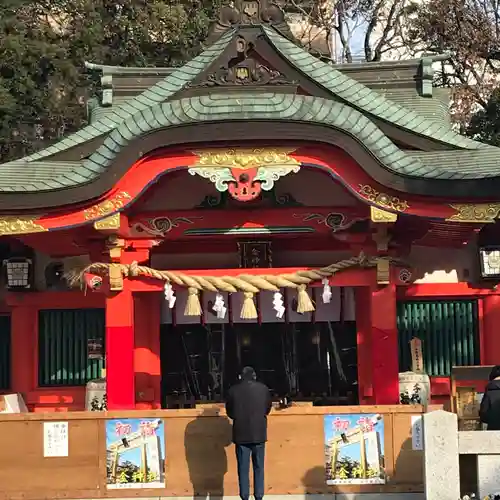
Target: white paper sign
column 55, row 439
column 417, row 435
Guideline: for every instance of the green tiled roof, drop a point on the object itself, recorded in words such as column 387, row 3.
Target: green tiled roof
column 364, row 99
column 351, row 109
column 435, row 109
column 457, row 164
column 154, row 95
column 262, row 106
column 24, row 176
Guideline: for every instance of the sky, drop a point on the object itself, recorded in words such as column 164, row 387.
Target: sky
column 353, row 450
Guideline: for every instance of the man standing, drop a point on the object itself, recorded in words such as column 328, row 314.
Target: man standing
column 489, row 411
column 248, row 404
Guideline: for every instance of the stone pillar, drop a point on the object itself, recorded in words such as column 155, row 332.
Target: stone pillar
column 441, row 463
column 120, row 375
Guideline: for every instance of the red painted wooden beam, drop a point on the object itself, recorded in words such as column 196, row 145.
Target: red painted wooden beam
column 258, row 222
column 348, row 277
column 332, row 161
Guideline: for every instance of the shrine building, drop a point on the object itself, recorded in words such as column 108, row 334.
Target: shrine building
column 256, row 206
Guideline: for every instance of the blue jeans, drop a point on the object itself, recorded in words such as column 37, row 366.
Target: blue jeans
column 243, row 454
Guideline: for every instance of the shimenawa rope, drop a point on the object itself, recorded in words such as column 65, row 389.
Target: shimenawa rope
column 246, row 283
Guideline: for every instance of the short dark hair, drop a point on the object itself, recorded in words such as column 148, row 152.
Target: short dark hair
column 248, row 373
column 495, row 372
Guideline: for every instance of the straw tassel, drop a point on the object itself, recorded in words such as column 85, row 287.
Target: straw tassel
column 248, row 310
column 193, row 306
column 304, row 302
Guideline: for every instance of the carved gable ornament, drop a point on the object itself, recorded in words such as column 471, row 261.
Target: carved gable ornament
column 249, row 12
column 244, row 173
column 239, row 67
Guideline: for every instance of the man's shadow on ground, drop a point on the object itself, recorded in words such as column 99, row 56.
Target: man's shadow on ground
column 205, row 441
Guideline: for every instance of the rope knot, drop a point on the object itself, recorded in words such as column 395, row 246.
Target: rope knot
column 248, row 295
column 363, row 259
column 192, row 291
column 133, row 269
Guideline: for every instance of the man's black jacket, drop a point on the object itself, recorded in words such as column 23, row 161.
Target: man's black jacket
column 489, row 411
column 248, row 404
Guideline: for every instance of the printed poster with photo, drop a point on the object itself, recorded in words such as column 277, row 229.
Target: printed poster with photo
column 135, row 453
column 354, row 449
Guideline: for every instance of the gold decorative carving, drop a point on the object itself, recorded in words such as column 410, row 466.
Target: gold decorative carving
column 20, row 225
column 115, row 278
column 481, row 212
column 107, row 207
column 109, row 223
column 383, row 271
column 245, row 159
column 382, row 199
column 379, row 215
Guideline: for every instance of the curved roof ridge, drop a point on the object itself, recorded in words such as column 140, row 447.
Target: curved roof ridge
column 112, row 70
column 269, row 106
column 236, row 107
column 396, row 62
column 363, row 98
column 159, row 92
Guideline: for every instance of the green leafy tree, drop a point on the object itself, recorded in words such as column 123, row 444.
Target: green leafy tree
column 485, row 123
column 44, row 44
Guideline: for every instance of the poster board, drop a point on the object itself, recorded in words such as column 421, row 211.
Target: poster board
column 354, row 449
column 466, row 399
column 467, row 408
column 135, row 453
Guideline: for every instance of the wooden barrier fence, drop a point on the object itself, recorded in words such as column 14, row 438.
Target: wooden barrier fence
column 199, row 455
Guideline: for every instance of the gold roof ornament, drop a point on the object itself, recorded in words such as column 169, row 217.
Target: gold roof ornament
column 478, row 212
column 245, row 159
column 382, row 199
column 378, row 215
column 108, row 223
column 107, row 207
column 20, row 225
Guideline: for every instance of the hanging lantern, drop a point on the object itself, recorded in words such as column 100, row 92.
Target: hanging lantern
column 490, row 262
column 18, row 273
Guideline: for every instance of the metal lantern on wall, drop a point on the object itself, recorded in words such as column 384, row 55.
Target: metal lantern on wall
column 18, row 273
column 489, row 259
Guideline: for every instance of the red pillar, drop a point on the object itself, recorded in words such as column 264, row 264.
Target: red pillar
column 120, row 387
column 490, row 333
column 363, row 341
column 385, row 351
column 24, row 349
column 147, row 351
